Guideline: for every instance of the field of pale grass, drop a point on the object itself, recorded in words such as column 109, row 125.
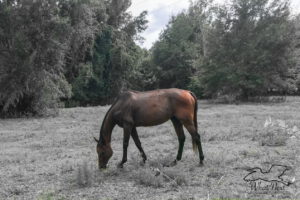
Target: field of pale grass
column 55, row 158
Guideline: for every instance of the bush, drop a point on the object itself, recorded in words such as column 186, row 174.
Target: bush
column 275, row 133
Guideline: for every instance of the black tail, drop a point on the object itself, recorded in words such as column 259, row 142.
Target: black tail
column 195, row 146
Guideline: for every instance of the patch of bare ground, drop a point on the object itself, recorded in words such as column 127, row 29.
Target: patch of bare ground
column 55, row 158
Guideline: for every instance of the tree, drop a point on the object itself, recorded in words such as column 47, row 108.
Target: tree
column 249, row 49
column 114, row 57
column 180, row 45
column 48, row 46
column 144, row 75
column 32, row 49
column 297, row 51
column 173, row 53
column 86, row 19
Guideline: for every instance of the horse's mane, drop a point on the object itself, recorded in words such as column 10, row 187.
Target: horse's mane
column 122, row 95
column 101, row 140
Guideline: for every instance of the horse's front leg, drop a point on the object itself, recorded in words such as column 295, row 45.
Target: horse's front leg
column 138, row 144
column 127, row 130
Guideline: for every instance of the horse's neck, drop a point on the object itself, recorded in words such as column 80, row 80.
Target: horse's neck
column 106, row 129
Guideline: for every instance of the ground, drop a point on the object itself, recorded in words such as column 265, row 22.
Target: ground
column 55, row 158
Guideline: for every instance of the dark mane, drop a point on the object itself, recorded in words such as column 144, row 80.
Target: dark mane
column 101, row 140
column 122, row 95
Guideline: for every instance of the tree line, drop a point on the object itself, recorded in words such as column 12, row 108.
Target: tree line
column 56, row 53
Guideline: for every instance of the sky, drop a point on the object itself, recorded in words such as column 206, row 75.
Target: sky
column 160, row 11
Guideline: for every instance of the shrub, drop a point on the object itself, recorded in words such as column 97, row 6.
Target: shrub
column 275, row 133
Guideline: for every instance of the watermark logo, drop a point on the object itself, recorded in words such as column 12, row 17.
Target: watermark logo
column 271, row 180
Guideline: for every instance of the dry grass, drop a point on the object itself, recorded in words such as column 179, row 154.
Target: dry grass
column 84, row 176
column 58, row 155
column 175, row 176
column 147, row 177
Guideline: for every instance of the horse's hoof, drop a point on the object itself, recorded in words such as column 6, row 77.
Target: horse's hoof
column 172, row 164
column 103, row 169
column 120, row 165
column 201, row 164
column 142, row 163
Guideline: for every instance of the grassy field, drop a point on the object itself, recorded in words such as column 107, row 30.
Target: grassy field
column 55, row 158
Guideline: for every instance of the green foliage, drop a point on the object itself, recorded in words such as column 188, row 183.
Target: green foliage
column 85, row 49
column 249, row 49
column 32, row 48
column 297, row 51
column 48, row 48
column 144, row 75
column 91, row 86
column 180, row 47
column 241, row 49
column 196, row 86
column 86, row 18
column 115, row 57
column 173, row 54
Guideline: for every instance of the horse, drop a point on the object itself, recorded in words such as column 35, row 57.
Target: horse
column 133, row 109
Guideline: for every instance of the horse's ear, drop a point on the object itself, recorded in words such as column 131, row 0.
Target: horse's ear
column 96, row 140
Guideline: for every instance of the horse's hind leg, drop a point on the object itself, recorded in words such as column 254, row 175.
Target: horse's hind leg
column 195, row 138
column 138, row 144
column 181, row 137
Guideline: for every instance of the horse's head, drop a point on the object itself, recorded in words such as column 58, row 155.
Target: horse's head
column 104, row 153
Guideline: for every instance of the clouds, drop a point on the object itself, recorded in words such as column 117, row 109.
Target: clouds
column 160, row 11
column 295, row 5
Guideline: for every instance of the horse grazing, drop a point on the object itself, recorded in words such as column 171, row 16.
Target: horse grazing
column 133, row 109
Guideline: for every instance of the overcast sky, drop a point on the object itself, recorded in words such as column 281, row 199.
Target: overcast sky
column 160, row 11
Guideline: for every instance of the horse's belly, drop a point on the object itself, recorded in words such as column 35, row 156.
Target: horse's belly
column 152, row 123
column 151, row 120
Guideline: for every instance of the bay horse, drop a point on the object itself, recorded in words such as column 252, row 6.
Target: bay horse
column 133, row 109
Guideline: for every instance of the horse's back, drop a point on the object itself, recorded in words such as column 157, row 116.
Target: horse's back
column 155, row 107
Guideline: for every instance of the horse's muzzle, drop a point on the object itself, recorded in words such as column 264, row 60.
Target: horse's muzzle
column 102, row 167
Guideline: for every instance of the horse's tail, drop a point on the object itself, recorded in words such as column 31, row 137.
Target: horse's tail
column 195, row 146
